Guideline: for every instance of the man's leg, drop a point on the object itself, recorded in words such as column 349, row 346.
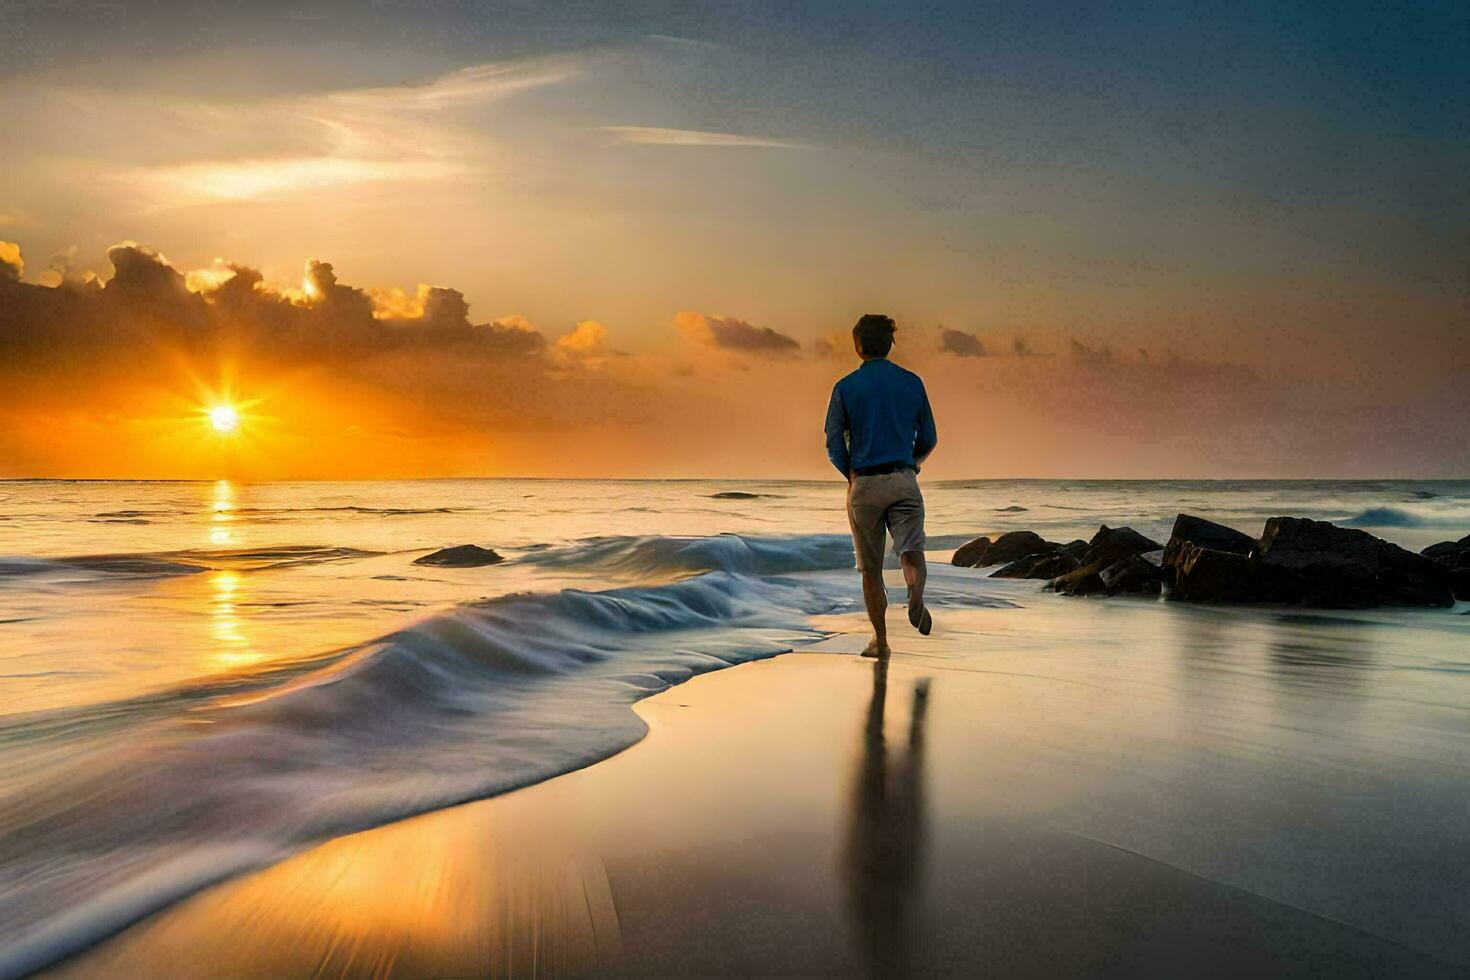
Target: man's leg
column 905, row 520
column 875, row 597
column 865, row 506
column 916, row 573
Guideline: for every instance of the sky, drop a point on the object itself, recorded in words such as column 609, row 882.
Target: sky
column 630, row 239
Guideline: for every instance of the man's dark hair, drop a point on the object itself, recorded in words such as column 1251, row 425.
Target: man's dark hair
column 874, row 334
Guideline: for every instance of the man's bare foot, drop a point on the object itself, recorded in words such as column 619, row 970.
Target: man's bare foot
column 876, row 650
column 920, row 619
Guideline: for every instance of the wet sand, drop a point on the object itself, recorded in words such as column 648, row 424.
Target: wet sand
column 802, row 815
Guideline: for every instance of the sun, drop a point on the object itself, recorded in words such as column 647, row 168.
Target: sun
column 224, row 418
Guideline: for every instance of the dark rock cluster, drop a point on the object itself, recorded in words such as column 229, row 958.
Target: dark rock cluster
column 1294, row 561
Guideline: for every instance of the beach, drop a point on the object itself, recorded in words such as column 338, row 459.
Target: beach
column 775, row 822
column 260, row 735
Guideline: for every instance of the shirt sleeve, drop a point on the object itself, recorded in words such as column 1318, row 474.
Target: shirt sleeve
column 837, row 450
column 926, row 437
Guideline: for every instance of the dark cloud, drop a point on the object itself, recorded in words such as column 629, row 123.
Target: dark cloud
column 960, row 344
column 147, row 306
column 731, row 333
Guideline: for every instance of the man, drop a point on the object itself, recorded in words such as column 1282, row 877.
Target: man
column 879, row 429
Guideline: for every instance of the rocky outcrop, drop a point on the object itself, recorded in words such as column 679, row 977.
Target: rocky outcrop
column 1312, row 563
column 1112, row 544
column 460, row 556
column 1052, row 561
column 1207, row 575
column 1014, row 545
column 971, row 553
column 1083, row 580
column 1460, row 582
column 1134, row 574
column 1044, row 564
column 1201, row 533
column 1140, row 574
column 1321, row 564
column 1454, row 555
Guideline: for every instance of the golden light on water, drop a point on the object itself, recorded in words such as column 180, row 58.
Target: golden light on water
column 224, row 418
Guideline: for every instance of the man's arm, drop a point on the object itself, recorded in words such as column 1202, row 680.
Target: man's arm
column 837, row 450
column 926, row 437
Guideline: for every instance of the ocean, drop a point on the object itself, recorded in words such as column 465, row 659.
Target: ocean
column 198, row 679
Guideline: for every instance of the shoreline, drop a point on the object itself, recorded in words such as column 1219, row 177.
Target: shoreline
column 774, row 815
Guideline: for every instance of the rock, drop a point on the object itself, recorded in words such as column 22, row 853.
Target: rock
column 1043, row 564
column 1303, row 553
column 1189, row 529
column 1320, row 564
column 1016, row 544
column 971, row 553
column 1407, row 579
column 1206, row 575
column 1012, row 509
column 1086, row 580
column 1460, row 582
column 460, row 556
column 1113, row 544
column 1075, row 550
column 1451, row 553
column 734, row 495
column 1134, row 575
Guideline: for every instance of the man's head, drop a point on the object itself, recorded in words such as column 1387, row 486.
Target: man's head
column 873, row 336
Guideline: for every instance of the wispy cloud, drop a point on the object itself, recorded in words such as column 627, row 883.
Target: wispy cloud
column 686, row 41
column 658, row 136
column 338, row 139
column 472, row 85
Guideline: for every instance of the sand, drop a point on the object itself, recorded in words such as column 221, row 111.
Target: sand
column 789, row 817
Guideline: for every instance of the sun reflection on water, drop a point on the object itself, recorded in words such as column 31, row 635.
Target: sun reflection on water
column 232, row 647
column 222, row 516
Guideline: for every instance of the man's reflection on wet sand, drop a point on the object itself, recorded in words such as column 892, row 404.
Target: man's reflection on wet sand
column 886, row 839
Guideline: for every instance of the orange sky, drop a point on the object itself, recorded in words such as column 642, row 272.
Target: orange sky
column 335, row 381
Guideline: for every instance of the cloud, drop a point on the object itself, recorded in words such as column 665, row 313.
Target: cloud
column 686, row 42
column 417, row 133
column 247, row 180
column 960, row 344
column 471, row 85
column 730, row 333
column 587, row 339
column 657, row 136
column 148, row 305
column 12, row 266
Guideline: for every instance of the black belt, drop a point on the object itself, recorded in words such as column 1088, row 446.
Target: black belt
column 882, row 468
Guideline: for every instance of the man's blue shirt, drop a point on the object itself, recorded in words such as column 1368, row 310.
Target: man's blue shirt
column 878, row 414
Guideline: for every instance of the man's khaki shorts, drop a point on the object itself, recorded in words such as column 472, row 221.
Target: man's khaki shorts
column 888, row 502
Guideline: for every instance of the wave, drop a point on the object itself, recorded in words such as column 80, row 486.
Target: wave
column 179, row 789
column 349, row 509
column 284, row 556
column 1386, row 517
column 126, row 566
column 659, row 557
column 189, row 562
